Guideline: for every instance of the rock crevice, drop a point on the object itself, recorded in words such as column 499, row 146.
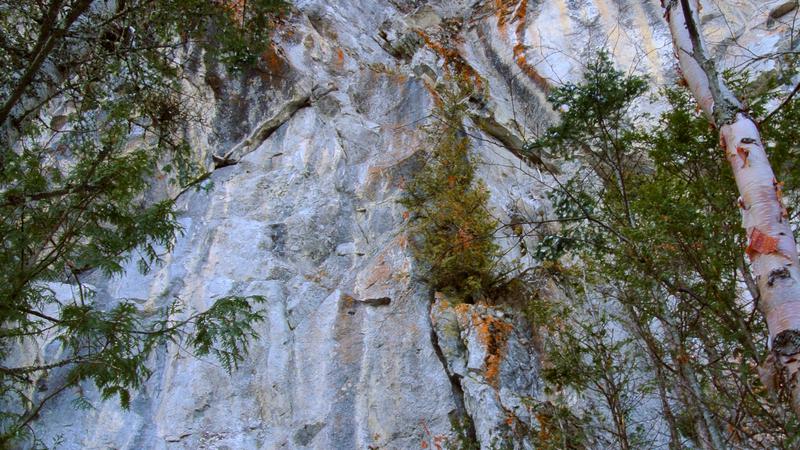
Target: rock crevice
column 326, row 131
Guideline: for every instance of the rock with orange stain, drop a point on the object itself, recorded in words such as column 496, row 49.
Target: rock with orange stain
column 338, row 61
column 489, row 351
column 528, row 69
column 272, row 60
column 520, row 16
column 454, row 62
column 384, row 273
column 308, row 219
column 504, row 11
column 493, row 334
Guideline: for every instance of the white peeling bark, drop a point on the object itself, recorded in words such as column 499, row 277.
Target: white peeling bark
column 771, row 246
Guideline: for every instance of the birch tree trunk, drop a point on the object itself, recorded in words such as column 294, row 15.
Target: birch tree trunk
column 771, row 246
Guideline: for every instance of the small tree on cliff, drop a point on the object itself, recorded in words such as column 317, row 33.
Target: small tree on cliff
column 92, row 107
column 452, row 228
column 771, row 247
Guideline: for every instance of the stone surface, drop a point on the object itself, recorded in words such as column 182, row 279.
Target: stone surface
column 489, row 354
column 326, row 129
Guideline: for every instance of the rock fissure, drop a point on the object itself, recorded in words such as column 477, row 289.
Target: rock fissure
column 485, row 351
column 265, row 129
column 309, row 215
column 455, row 379
column 511, row 141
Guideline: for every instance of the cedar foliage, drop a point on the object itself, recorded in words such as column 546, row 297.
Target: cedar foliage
column 452, row 229
column 93, row 107
column 653, row 242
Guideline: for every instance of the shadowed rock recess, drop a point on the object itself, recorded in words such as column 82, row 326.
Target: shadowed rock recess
column 312, row 148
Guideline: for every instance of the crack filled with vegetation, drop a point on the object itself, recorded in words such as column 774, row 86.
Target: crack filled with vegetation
column 450, row 226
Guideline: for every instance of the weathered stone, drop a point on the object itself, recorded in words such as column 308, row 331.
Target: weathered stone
column 325, row 132
column 488, row 352
column 305, row 435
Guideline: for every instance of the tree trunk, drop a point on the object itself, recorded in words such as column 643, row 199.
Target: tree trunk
column 694, row 399
column 652, row 349
column 771, row 246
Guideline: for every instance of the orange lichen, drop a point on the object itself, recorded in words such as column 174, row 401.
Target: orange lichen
column 462, row 309
column 339, row 62
column 273, row 62
column 545, row 426
column 519, row 49
column 521, row 12
column 453, row 61
column 402, row 241
column 348, row 301
column 519, row 58
column 442, row 301
column 437, row 99
column 502, row 12
column 493, row 335
column 447, row 54
column 399, row 78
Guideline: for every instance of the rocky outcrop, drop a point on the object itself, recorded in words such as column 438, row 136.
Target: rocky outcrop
column 488, row 352
column 313, row 146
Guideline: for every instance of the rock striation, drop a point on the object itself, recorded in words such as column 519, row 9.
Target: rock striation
column 311, row 149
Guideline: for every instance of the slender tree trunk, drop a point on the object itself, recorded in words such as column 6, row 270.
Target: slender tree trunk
column 652, row 348
column 674, row 436
column 617, row 413
column 50, row 34
column 694, row 399
column 771, row 246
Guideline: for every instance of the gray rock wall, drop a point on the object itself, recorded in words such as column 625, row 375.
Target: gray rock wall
column 326, row 130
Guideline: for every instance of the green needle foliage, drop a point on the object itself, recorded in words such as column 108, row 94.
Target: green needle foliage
column 451, row 227
column 654, row 242
column 92, row 110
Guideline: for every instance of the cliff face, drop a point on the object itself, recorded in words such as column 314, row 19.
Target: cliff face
column 355, row 353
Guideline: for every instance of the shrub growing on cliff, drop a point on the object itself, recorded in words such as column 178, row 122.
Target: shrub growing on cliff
column 451, row 228
column 92, row 108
